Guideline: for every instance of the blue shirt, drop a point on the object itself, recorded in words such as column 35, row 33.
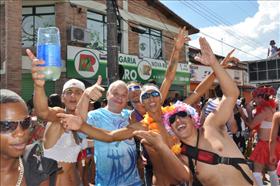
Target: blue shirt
column 115, row 162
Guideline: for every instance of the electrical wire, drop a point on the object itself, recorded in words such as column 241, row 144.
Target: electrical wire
column 224, row 22
column 216, row 22
column 231, row 45
column 198, row 12
column 129, row 24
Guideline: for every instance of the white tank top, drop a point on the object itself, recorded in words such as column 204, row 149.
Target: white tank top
column 266, row 125
column 65, row 150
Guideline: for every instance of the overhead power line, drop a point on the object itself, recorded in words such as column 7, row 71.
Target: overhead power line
column 215, row 21
column 168, row 37
column 223, row 21
column 230, row 45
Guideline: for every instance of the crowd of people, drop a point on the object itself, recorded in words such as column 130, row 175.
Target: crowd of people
column 73, row 139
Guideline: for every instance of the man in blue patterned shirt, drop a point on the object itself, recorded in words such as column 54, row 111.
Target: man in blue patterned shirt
column 116, row 161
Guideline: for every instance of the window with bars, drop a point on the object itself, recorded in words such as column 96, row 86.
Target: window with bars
column 34, row 17
column 150, row 43
column 264, row 70
column 97, row 25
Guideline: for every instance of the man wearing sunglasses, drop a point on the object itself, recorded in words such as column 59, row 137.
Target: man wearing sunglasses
column 210, row 154
column 201, row 89
column 21, row 164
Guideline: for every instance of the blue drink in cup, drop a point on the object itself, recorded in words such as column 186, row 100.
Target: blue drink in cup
column 48, row 49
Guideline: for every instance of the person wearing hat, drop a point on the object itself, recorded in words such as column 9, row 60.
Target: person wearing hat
column 262, row 121
column 209, row 156
column 150, row 97
column 272, row 50
column 127, row 132
column 59, row 144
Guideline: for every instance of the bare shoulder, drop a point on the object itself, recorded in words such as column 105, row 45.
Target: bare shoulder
column 276, row 116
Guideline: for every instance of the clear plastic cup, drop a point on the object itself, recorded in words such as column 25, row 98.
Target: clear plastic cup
column 49, row 50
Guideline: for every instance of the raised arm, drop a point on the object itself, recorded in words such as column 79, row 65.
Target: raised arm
column 94, row 93
column 40, row 99
column 179, row 43
column 205, row 85
column 172, row 164
column 228, row 86
column 273, row 137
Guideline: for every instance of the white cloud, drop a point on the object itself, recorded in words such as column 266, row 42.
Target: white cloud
column 251, row 36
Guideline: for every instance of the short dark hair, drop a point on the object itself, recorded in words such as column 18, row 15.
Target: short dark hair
column 8, row 96
column 55, row 100
column 96, row 105
column 152, row 81
column 218, row 91
column 104, row 101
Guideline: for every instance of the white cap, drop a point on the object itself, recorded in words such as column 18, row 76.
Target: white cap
column 147, row 87
column 73, row 83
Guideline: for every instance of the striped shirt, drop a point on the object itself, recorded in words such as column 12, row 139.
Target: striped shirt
column 211, row 107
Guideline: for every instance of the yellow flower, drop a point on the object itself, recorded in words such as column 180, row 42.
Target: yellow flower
column 176, row 149
column 153, row 126
column 168, row 109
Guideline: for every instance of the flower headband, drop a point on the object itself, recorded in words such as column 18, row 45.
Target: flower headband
column 177, row 107
column 263, row 90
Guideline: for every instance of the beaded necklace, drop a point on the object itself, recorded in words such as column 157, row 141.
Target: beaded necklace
column 21, row 172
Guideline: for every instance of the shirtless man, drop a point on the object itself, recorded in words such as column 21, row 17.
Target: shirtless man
column 151, row 98
column 56, row 136
column 209, row 139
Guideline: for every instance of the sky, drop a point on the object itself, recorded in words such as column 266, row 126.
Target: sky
column 247, row 26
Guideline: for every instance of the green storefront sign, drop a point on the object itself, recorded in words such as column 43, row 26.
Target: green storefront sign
column 88, row 64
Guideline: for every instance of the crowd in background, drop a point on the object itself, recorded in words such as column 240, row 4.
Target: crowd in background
column 134, row 134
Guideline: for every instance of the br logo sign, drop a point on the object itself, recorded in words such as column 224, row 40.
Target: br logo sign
column 86, row 63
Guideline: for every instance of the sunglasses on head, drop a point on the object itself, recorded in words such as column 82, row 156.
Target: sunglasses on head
column 147, row 95
column 10, row 126
column 182, row 114
column 133, row 88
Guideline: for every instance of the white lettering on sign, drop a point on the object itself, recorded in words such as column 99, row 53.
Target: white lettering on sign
column 127, row 59
column 130, row 75
column 133, row 74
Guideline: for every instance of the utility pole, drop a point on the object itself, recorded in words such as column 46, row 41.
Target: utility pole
column 112, row 43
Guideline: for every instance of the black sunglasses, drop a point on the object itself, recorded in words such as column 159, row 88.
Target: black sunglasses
column 10, row 126
column 147, row 95
column 182, row 114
